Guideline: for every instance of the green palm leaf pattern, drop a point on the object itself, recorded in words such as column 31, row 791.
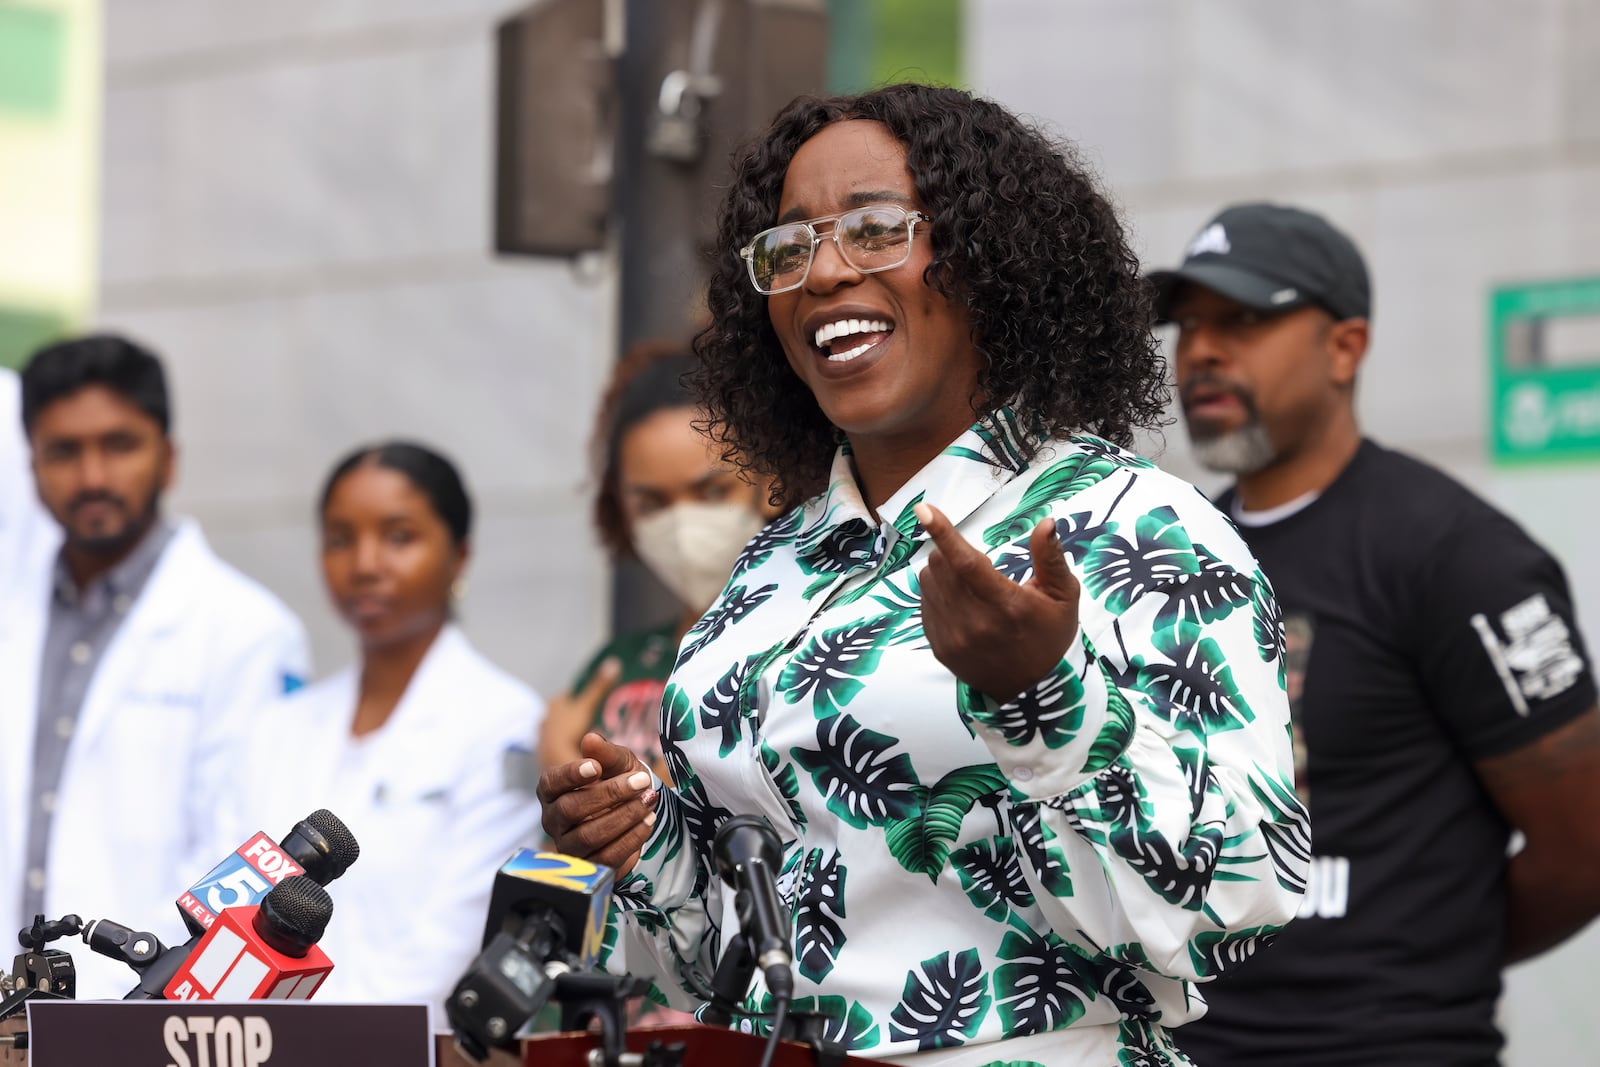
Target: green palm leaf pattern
column 1196, row 690
column 1286, row 837
column 848, row 546
column 759, row 549
column 818, row 933
column 736, row 603
column 677, row 726
column 944, row 1002
column 1042, row 984
column 1117, row 731
column 1100, row 448
column 723, row 708
column 1039, row 845
column 1059, row 483
column 1210, row 593
column 857, row 771
column 834, row 665
column 1268, row 621
column 667, row 840
column 788, row 782
column 1077, row 534
column 849, row 1024
column 906, row 528
column 1051, row 711
column 1178, row 872
column 1214, row 950
column 921, row 842
column 1120, row 572
column 991, row 876
column 677, row 718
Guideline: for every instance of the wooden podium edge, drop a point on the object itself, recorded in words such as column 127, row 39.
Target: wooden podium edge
column 706, row 1045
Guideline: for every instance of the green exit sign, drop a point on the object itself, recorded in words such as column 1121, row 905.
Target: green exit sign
column 1544, row 366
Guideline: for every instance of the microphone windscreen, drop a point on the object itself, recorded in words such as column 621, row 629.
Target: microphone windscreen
column 575, row 891
column 294, row 916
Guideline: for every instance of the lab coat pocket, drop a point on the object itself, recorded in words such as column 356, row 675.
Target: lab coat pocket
column 401, row 819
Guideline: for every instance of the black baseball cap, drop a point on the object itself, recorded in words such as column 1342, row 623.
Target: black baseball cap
column 1272, row 258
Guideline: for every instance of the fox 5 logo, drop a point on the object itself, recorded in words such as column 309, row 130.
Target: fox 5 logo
column 243, row 878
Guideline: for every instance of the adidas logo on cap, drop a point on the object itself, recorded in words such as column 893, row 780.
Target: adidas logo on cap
column 1211, row 239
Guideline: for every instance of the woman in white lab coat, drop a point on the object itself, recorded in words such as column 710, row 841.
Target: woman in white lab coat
column 420, row 747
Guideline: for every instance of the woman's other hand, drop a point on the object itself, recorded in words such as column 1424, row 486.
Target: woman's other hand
column 571, row 715
column 600, row 807
column 998, row 636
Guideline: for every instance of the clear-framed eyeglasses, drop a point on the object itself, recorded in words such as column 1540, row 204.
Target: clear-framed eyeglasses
column 872, row 238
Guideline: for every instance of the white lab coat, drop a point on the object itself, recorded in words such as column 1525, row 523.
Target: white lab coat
column 438, row 798
column 27, row 536
column 153, row 748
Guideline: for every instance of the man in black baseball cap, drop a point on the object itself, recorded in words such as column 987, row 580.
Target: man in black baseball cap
column 1271, row 257
column 1440, row 692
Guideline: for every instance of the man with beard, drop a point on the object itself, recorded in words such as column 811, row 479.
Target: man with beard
column 129, row 666
column 1439, row 688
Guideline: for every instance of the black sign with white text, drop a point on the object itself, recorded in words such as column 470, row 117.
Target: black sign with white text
column 68, row 1033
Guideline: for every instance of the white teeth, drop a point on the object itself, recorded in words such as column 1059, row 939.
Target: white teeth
column 846, row 357
column 845, row 327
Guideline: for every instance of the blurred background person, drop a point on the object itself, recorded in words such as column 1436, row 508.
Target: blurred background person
column 667, row 497
column 1441, row 693
column 419, row 746
column 132, row 664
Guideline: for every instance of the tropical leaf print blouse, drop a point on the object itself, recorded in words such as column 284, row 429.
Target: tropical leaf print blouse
column 962, row 871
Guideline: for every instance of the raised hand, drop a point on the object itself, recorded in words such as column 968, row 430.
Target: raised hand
column 600, row 807
column 998, row 636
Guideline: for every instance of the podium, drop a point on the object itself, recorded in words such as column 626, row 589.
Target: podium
column 13, row 1056
column 704, row 1046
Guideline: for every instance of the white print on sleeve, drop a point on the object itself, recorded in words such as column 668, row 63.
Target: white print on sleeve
column 1536, row 661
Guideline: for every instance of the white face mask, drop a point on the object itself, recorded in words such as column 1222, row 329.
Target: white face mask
column 691, row 547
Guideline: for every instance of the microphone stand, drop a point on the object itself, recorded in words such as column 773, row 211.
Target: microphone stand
column 591, row 995
column 39, row 973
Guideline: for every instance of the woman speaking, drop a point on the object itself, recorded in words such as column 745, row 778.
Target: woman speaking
column 1010, row 696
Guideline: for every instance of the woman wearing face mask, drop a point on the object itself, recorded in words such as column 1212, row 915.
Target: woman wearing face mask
column 668, row 498
column 416, row 747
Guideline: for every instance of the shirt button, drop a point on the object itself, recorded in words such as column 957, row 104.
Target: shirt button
column 36, row 880
column 81, row 652
column 47, row 802
column 1023, row 774
column 122, row 603
column 64, row 727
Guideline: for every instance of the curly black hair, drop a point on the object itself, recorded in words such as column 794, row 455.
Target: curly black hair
column 1022, row 237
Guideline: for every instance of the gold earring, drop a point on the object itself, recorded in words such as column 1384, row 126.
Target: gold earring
column 458, row 590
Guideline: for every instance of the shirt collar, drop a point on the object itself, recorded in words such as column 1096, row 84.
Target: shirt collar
column 957, row 481
column 127, row 578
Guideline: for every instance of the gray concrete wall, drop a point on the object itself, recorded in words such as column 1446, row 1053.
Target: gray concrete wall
column 1457, row 140
column 297, row 207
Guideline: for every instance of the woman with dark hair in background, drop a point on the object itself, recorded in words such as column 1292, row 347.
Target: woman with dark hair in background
column 417, row 747
column 1010, row 696
column 668, row 498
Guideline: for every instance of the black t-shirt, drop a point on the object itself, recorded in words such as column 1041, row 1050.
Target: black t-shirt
column 1425, row 631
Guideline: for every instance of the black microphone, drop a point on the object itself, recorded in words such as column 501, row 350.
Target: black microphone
column 731, row 982
column 320, row 847
column 748, row 855
column 547, row 918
